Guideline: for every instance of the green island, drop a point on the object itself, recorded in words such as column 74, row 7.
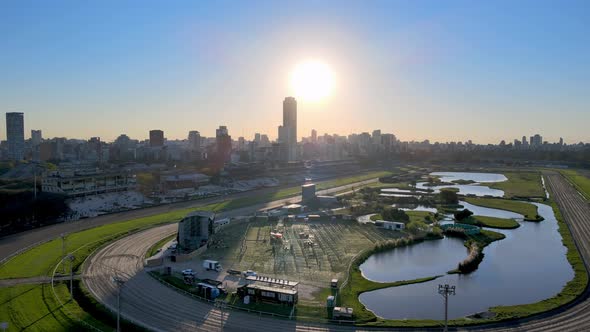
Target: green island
column 521, row 184
column 529, row 211
column 491, row 222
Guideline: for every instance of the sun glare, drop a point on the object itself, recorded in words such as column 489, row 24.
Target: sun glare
column 312, row 81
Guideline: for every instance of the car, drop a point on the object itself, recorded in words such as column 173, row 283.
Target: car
column 188, row 272
column 249, row 273
column 173, row 246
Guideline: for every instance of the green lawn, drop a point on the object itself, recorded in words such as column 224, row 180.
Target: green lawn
column 491, row 222
column 34, row 308
column 521, row 184
column 581, row 182
column 529, row 211
column 420, row 216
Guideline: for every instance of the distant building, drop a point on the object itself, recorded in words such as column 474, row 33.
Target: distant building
column 156, row 138
column 194, row 140
column 182, row 181
column 36, row 137
column 288, row 133
column 194, row 230
column 15, row 135
column 537, row 140
column 84, row 183
column 314, row 136
column 376, row 136
column 223, row 143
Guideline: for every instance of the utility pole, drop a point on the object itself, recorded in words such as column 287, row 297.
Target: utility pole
column 446, row 290
column 119, row 283
column 71, row 258
column 63, row 252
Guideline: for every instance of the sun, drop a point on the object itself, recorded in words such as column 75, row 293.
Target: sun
column 312, row 81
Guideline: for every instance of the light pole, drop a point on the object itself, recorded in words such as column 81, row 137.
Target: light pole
column 71, row 258
column 446, row 290
column 63, row 251
column 119, row 283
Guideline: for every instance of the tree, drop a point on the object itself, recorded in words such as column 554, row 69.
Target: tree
column 449, row 197
column 393, row 214
column 463, row 214
column 416, row 226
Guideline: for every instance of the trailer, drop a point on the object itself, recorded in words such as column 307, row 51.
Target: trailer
column 211, row 265
column 263, row 293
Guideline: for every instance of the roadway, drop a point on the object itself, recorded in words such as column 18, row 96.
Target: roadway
column 13, row 244
column 157, row 307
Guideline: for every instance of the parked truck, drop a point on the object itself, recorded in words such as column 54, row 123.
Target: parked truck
column 211, row 265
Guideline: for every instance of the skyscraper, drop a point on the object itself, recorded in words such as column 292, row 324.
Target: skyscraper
column 289, row 128
column 194, row 140
column 156, row 138
column 15, row 135
column 314, row 135
column 36, row 137
column 223, row 143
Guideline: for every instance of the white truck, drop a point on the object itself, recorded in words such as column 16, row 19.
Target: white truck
column 211, row 265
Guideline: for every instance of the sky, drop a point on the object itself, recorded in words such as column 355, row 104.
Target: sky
column 438, row 70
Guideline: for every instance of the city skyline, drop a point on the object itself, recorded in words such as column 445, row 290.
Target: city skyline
column 401, row 67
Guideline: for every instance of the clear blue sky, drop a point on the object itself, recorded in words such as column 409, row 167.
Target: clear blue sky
column 442, row 70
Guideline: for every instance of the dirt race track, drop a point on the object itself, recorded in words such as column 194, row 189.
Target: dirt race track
column 157, row 307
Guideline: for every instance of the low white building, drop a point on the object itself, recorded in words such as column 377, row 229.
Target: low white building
column 393, row 225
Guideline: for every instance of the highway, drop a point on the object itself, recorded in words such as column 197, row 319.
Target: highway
column 157, row 307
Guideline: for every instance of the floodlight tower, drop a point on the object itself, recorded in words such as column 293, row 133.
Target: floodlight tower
column 71, row 258
column 446, row 290
column 119, row 283
column 63, row 252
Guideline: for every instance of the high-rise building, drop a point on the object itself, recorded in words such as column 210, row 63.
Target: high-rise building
column 314, row 136
column 223, row 143
column 156, row 138
column 377, row 136
column 36, row 137
column 289, row 129
column 561, row 141
column 257, row 138
column 15, row 135
column 264, row 140
column 194, row 140
column 537, row 140
column 524, row 141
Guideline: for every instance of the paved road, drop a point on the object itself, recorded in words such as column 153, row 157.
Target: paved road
column 14, row 243
column 160, row 308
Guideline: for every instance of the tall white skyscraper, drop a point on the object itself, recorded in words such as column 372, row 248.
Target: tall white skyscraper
column 15, row 135
column 289, row 129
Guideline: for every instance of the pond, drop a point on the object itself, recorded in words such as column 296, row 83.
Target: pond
column 477, row 177
column 414, row 207
column 528, row 266
column 467, row 189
